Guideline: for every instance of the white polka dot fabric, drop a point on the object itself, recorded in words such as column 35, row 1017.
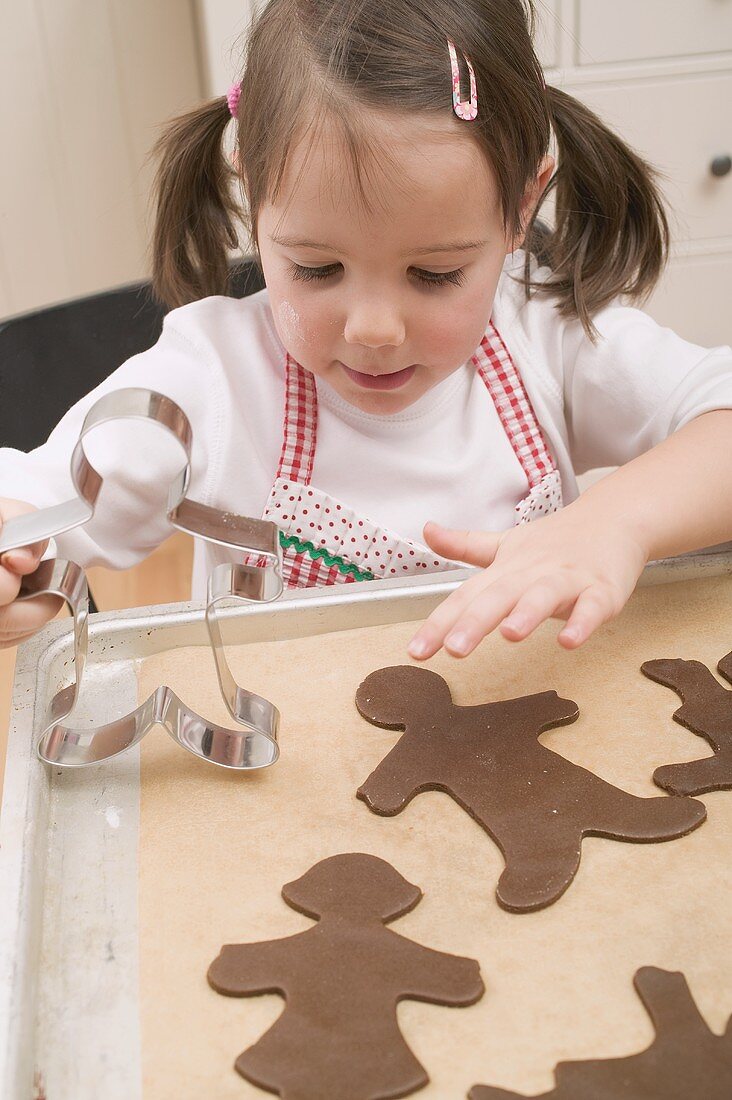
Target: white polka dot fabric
column 544, row 498
column 330, row 527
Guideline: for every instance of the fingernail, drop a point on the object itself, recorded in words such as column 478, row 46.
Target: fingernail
column 417, row 648
column 515, row 622
column 15, row 558
column 458, row 643
column 571, row 633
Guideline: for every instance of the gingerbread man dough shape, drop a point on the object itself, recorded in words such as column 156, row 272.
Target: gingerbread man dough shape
column 342, row 980
column 535, row 804
column 685, row 1060
column 706, row 711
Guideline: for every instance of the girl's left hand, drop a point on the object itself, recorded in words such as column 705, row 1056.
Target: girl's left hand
column 573, row 565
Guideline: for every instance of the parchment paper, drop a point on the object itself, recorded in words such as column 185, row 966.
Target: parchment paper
column 216, row 848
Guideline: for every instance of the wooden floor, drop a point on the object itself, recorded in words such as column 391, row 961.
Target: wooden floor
column 165, row 577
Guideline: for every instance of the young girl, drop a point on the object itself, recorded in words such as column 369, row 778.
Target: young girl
column 393, row 157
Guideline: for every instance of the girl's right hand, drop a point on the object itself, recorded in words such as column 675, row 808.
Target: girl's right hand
column 19, row 621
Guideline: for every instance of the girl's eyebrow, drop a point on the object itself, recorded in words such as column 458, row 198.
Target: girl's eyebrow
column 300, row 242
column 453, row 246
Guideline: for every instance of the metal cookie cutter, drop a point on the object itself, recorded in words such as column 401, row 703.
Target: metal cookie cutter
column 258, row 579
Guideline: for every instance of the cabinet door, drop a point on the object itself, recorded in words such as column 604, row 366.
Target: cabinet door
column 693, row 299
column 631, row 30
column 681, row 125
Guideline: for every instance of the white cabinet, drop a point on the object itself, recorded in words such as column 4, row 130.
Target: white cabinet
column 681, row 125
column 659, row 72
column 632, row 30
column 694, row 299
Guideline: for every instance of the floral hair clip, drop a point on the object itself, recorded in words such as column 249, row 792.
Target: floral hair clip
column 466, row 111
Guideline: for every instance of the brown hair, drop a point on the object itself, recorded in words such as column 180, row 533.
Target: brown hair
column 308, row 59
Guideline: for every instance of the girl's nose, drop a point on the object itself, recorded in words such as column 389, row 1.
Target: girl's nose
column 374, row 325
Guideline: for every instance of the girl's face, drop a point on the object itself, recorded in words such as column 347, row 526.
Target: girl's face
column 384, row 303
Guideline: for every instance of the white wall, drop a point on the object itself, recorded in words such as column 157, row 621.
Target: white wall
column 222, row 24
column 84, row 87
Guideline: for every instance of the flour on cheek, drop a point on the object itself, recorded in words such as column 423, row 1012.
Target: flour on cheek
column 291, row 326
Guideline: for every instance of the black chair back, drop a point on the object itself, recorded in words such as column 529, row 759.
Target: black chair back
column 51, row 357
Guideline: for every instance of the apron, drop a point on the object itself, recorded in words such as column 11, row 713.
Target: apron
column 325, row 542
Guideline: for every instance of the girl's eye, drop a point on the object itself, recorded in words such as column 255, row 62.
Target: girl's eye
column 313, row 274
column 441, row 278
column 427, row 278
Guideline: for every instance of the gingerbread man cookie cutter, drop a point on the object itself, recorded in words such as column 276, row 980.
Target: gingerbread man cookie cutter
column 253, row 747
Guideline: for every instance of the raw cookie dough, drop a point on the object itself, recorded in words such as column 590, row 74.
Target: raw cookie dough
column 685, row 1060
column 707, row 711
column 535, row 804
column 342, row 980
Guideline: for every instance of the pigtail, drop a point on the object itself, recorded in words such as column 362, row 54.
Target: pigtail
column 196, row 214
column 610, row 234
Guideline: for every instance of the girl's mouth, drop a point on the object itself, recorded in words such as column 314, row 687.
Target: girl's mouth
column 380, row 381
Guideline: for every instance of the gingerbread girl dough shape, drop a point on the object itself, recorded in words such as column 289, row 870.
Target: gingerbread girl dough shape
column 706, row 711
column 535, row 804
column 685, row 1060
column 338, row 1036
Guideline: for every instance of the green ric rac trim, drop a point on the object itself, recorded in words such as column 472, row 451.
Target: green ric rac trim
column 287, row 541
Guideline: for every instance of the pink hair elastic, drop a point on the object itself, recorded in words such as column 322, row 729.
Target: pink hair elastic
column 464, row 110
column 232, row 98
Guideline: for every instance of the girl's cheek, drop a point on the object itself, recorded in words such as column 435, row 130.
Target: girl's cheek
column 440, row 339
column 453, row 332
column 322, row 322
column 301, row 322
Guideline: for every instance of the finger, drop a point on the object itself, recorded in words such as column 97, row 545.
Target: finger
column 460, row 633
column 481, row 617
column 430, row 636
column 25, row 559
column 547, row 597
column 27, row 616
column 595, row 606
column 9, row 586
column 472, row 547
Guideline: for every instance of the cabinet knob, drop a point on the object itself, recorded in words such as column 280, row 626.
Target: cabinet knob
column 721, row 166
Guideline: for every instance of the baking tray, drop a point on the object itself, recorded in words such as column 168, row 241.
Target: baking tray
column 68, row 839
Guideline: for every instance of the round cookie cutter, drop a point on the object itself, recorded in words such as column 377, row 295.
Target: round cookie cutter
column 257, row 537
column 259, row 579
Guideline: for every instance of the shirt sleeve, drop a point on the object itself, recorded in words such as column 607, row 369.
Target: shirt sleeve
column 137, row 460
column 635, row 386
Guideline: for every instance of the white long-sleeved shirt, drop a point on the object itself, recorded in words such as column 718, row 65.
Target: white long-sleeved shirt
column 445, row 457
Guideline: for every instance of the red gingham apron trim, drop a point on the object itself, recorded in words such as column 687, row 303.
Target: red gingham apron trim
column 302, row 571
column 300, row 425
column 496, row 368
